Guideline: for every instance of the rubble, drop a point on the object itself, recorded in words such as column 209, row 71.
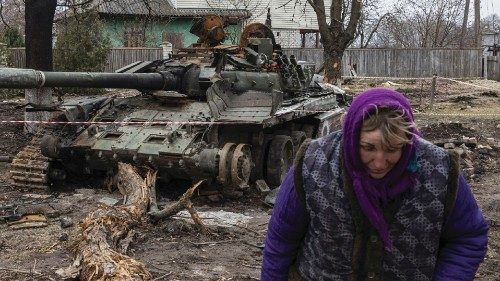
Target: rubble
column 271, row 196
column 217, row 218
column 28, row 221
column 262, row 186
column 108, row 201
column 66, row 222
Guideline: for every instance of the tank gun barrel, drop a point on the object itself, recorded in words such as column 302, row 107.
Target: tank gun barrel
column 29, row 78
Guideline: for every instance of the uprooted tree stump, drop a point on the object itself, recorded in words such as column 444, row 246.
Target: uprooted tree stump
column 107, row 232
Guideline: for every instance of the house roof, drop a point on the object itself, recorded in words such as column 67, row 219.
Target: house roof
column 163, row 8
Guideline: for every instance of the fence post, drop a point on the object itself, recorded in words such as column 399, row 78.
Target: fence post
column 433, row 89
column 167, row 49
column 496, row 61
column 485, row 67
column 3, row 55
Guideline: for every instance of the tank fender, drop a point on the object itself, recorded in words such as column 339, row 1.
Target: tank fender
column 82, row 110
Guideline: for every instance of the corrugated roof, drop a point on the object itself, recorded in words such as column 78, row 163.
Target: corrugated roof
column 135, row 7
column 162, row 8
column 240, row 13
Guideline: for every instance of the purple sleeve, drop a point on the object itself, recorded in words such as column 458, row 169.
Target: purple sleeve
column 464, row 238
column 287, row 226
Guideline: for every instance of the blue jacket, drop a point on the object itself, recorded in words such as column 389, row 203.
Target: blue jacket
column 464, row 236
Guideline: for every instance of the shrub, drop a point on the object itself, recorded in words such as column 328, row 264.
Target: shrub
column 81, row 45
column 13, row 38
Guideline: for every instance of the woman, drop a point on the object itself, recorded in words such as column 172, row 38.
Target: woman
column 374, row 201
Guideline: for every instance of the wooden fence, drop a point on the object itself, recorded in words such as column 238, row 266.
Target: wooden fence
column 464, row 63
column 493, row 67
column 117, row 57
column 121, row 57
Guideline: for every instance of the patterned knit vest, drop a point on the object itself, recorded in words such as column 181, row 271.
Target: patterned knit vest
column 341, row 245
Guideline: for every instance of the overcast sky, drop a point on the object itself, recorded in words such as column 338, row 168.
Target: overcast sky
column 489, row 7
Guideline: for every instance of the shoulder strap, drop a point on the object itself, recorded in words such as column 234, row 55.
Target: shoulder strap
column 297, row 177
column 451, row 193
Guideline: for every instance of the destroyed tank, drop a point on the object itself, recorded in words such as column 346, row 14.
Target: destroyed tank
column 233, row 115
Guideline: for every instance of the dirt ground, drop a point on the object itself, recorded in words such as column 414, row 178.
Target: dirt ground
column 467, row 114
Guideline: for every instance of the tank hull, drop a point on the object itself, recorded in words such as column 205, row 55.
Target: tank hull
column 182, row 140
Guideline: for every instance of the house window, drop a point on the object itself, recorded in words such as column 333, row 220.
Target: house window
column 175, row 38
column 134, row 37
column 310, row 39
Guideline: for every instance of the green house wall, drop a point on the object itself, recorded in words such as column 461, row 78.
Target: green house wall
column 114, row 29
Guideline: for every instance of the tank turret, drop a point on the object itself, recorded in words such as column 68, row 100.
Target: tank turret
column 230, row 114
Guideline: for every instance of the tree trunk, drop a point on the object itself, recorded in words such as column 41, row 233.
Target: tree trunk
column 477, row 23
column 464, row 23
column 39, row 16
column 333, row 64
column 107, row 232
column 337, row 35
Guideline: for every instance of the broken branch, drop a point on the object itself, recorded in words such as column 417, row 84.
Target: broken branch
column 184, row 202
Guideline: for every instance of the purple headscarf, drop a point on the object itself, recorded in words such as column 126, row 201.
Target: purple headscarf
column 371, row 193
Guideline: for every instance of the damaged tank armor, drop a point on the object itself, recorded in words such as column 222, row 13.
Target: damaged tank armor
column 229, row 114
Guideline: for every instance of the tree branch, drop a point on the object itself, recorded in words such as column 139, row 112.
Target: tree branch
column 374, row 30
column 1, row 15
column 353, row 20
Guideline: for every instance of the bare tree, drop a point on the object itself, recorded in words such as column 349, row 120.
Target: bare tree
column 256, row 7
column 12, row 14
column 491, row 22
column 425, row 24
column 464, row 23
column 477, row 23
column 337, row 30
column 369, row 23
column 39, row 19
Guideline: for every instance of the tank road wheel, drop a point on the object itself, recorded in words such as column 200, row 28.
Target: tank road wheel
column 241, row 166
column 225, row 156
column 235, row 166
column 279, row 159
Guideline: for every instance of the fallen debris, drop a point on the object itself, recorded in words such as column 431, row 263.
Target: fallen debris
column 108, row 201
column 183, row 203
column 25, row 225
column 66, row 222
column 107, row 232
column 271, row 197
column 262, row 186
column 7, row 159
column 218, row 218
column 36, row 196
column 28, row 219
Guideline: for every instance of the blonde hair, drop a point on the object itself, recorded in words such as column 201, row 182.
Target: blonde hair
column 392, row 123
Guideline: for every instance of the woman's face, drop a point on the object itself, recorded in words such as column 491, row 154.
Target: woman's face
column 377, row 158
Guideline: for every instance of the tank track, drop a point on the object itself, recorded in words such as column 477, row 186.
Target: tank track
column 29, row 168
